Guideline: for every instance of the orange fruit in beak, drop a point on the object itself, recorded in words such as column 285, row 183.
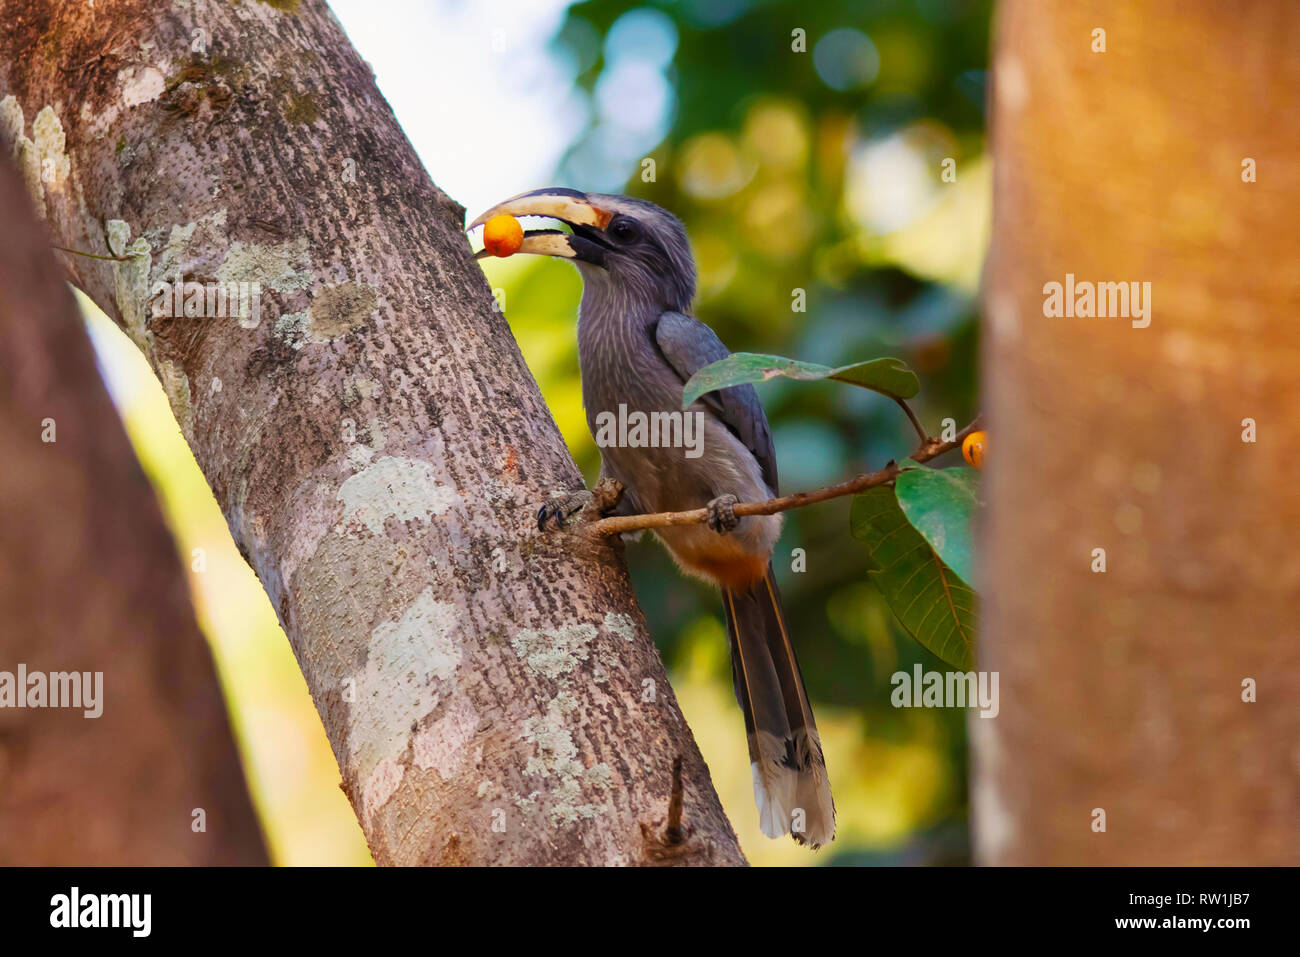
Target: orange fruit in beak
column 502, row 235
column 972, row 448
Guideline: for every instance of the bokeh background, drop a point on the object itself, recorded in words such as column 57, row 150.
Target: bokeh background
column 815, row 169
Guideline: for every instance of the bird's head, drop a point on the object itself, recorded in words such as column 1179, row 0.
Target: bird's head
column 624, row 247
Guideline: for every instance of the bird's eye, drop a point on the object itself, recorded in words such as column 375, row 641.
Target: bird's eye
column 623, row 230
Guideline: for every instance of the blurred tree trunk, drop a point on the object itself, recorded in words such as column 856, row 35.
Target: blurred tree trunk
column 90, row 582
column 371, row 433
column 1123, row 690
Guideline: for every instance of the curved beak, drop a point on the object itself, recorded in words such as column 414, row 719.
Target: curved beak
column 587, row 219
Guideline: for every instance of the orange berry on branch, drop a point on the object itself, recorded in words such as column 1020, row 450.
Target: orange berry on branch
column 972, row 448
column 502, row 236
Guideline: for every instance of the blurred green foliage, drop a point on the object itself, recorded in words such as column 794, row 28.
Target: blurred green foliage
column 813, row 175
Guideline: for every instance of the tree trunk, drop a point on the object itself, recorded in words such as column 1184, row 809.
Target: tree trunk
column 143, row 770
column 1128, row 691
column 371, row 431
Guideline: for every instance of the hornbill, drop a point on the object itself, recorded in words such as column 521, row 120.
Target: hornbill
column 637, row 346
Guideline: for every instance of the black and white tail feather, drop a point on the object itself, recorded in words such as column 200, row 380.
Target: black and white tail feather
column 790, row 784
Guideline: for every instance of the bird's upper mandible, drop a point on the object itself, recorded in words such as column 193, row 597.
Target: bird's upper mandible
column 640, row 245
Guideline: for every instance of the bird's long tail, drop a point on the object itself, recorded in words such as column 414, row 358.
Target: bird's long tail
column 785, row 754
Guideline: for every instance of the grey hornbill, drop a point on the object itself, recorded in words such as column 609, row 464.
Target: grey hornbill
column 637, row 346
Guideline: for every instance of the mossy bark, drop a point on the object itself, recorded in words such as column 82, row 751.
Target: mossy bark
column 373, row 436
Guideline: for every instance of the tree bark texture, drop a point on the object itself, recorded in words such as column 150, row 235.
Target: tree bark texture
column 374, row 439
column 90, row 582
column 1126, row 691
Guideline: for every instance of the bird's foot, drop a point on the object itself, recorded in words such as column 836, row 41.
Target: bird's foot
column 557, row 509
column 722, row 514
column 560, row 508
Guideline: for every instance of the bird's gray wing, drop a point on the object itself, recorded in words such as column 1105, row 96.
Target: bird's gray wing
column 689, row 345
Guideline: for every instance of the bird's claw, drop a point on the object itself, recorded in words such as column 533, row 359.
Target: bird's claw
column 560, row 506
column 722, row 514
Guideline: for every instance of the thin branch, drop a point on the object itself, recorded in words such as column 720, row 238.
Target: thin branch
column 114, row 259
column 912, row 415
column 930, row 448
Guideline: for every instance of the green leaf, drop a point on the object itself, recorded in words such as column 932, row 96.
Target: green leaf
column 932, row 604
column 887, row 376
column 940, row 504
